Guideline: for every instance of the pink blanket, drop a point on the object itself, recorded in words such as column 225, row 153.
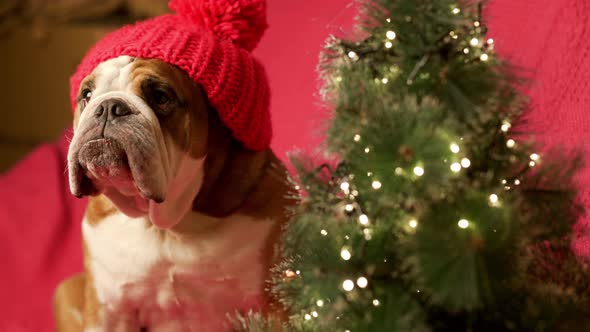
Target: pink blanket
column 39, row 220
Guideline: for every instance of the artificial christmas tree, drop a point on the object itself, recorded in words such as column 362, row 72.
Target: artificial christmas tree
column 439, row 214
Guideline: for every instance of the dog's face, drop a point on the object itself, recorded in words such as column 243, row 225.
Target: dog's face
column 140, row 138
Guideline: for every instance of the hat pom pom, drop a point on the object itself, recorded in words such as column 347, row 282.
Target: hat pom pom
column 241, row 21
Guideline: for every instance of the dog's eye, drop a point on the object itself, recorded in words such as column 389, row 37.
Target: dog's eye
column 85, row 97
column 86, row 94
column 160, row 97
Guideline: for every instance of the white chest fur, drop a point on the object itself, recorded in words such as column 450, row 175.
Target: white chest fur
column 157, row 277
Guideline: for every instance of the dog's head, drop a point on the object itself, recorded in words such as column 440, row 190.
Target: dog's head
column 142, row 131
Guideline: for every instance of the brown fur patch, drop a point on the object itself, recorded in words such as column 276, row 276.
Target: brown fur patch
column 99, row 207
column 68, row 301
column 186, row 119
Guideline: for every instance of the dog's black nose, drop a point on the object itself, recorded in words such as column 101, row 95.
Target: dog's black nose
column 113, row 107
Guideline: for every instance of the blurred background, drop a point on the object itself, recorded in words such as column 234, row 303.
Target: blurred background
column 42, row 41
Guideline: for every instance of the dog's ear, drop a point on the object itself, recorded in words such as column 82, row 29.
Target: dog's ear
column 231, row 172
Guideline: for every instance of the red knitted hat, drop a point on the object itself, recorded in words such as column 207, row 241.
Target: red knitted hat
column 211, row 41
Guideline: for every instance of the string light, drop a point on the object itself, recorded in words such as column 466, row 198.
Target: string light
column 338, row 79
column 505, row 126
column 455, row 148
column 465, row 163
column 314, row 313
column 456, row 167
column 368, row 234
column 349, row 207
column 535, row 157
column 376, row 302
column 388, row 45
column 376, row 185
column 419, row 171
column 456, row 10
column 344, row 186
column 463, row 223
column 357, row 138
column 473, row 42
column 390, row 35
column 532, row 164
column 352, row 55
column 484, row 57
column 355, row 193
column 510, row 143
column 367, row 149
column 494, row 199
column 345, row 254
column 517, row 182
column 348, row 285
column 476, row 24
column 324, row 232
column 399, row 171
column 320, row 303
column 363, row 219
column 413, row 223
column 490, row 41
column 384, row 80
column 362, row 282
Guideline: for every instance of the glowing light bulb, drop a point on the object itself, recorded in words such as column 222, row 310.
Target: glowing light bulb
column 388, row 45
column 456, row 10
column 535, row 157
column 376, row 185
column 390, row 35
column 362, row 282
column 367, row 149
column 376, row 302
column 345, row 254
column 510, row 143
column 413, row 223
column 494, row 199
column 484, row 57
column 505, row 126
column 490, row 41
column 455, row 148
column 476, row 24
column 352, row 55
column 345, row 186
column 419, row 171
column 473, row 42
column 348, row 285
column 456, row 167
column 314, row 313
column 363, row 219
column 465, row 163
column 517, row 182
column 307, row 316
column 324, row 232
column 320, row 303
column 357, row 138
column 463, row 223
column 532, row 164
column 384, row 80
column 399, row 171
column 466, row 50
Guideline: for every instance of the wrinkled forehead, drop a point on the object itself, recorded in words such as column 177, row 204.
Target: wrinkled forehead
column 127, row 73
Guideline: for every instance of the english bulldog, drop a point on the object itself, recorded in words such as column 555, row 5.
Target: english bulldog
column 182, row 220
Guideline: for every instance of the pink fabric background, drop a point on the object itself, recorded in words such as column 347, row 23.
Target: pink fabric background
column 39, row 220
